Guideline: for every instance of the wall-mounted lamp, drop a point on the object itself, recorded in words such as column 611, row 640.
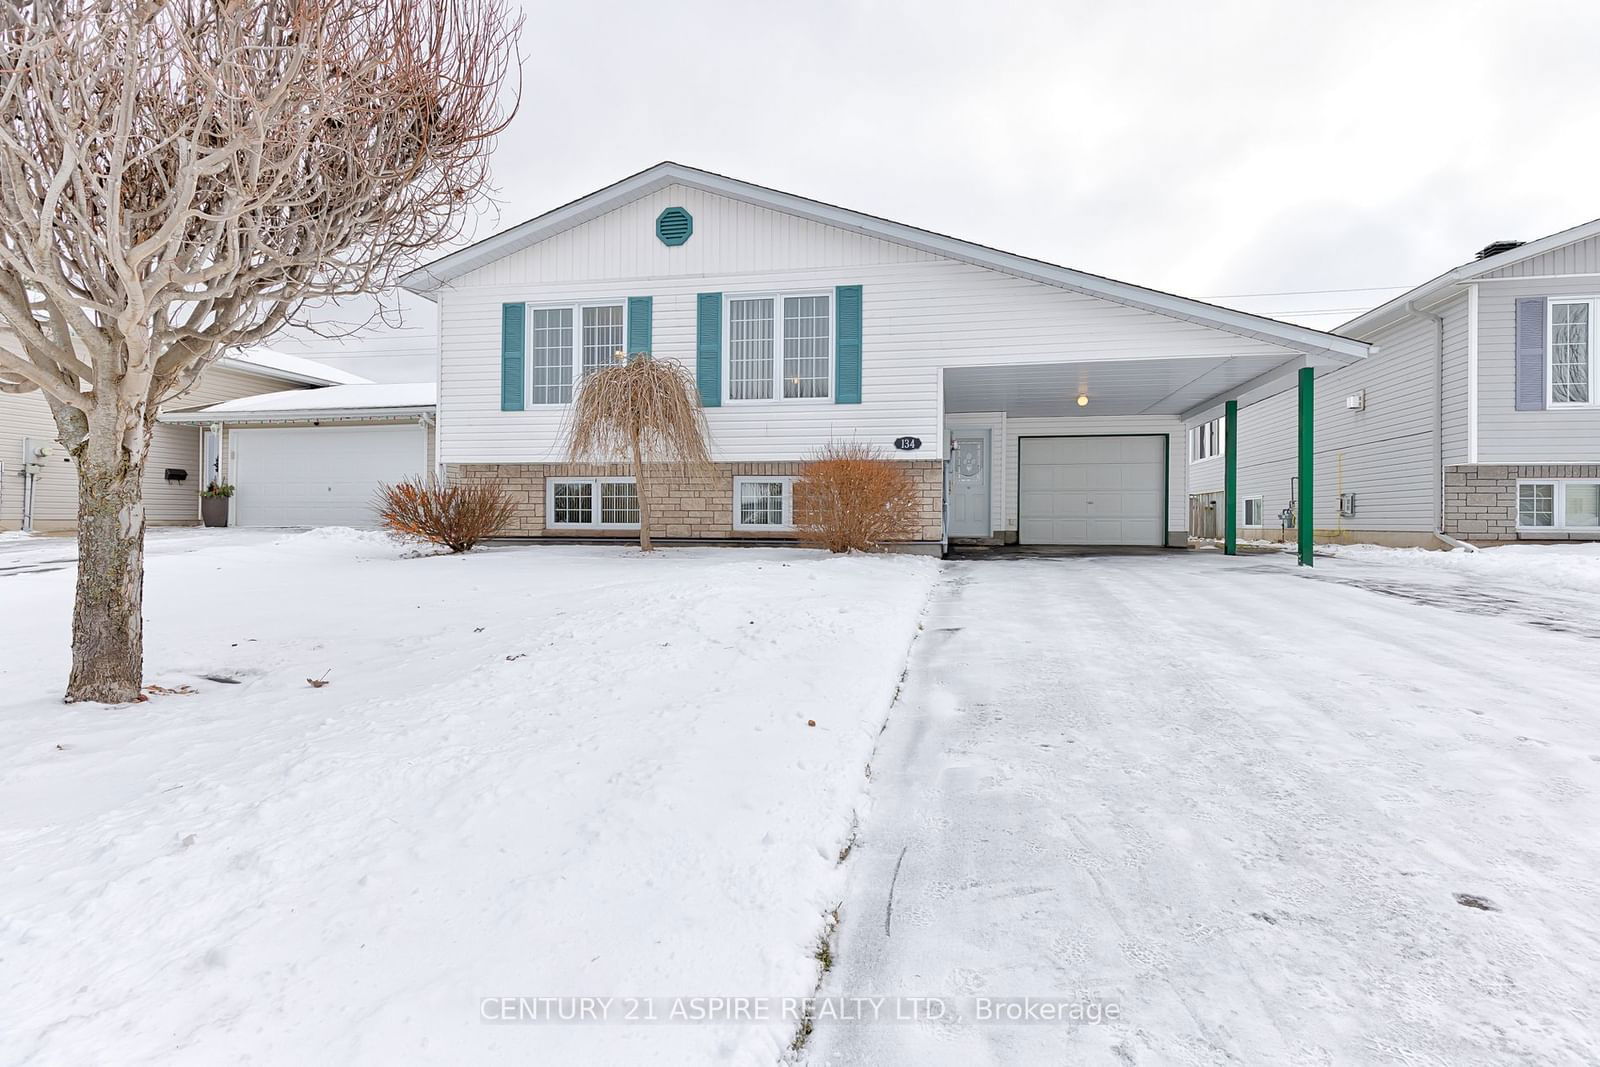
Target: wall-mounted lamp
column 1083, row 400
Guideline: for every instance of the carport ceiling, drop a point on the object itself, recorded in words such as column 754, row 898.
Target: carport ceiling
column 1114, row 387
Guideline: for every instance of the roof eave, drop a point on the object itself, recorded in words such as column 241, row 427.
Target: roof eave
column 205, row 417
column 245, row 366
column 429, row 279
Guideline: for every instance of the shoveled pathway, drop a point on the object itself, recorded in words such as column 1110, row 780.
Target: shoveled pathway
column 1235, row 803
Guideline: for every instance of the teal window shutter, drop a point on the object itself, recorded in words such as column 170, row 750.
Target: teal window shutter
column 641, row 313
column 847, row 345
column 512, row 318
column 708, row 348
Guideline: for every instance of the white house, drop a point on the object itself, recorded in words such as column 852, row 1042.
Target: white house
column 1059, row 397
column 1477, row 417
column 39, row 484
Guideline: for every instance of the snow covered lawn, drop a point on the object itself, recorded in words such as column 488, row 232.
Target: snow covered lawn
column 533, row 772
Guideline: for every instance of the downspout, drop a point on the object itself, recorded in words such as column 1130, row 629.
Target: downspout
column 1438, row 428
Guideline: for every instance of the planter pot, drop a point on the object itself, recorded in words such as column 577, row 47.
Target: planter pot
column 214, row 510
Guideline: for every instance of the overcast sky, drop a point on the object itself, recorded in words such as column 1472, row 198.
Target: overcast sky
column 1210, row 149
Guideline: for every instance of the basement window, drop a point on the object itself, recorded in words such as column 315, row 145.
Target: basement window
column 593, row 503
column 763, row 503
column 1562, row 504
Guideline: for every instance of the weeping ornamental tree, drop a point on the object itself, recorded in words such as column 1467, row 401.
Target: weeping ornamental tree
column 178, row 177
column 646, row 413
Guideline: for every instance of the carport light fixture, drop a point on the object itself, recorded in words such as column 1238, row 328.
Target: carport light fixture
column 1083, row 400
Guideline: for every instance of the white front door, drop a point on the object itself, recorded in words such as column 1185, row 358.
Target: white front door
column 969, row 484
column 1092, row 490
column 320, row 476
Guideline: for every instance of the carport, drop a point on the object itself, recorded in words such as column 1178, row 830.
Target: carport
column 1093, row 452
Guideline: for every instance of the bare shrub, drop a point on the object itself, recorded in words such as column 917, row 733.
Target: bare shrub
column 848, row 498
column 457, row 516
column 640, row 409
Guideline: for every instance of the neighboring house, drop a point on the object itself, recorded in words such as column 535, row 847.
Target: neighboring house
column 316, row 457
column 1059, row 397
column 176, row 469
column 1476, row 418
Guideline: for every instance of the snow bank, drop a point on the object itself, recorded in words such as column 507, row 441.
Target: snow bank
column 1567, row 567
column 535, row 771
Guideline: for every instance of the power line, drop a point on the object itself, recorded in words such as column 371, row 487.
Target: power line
column 1307, row 292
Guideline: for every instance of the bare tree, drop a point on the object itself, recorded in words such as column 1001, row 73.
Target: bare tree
column 180, row 176
column 639, row 410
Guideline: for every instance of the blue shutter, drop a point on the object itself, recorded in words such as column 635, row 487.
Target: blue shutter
column 641, row 314
column 512, row 318
column 847, row 345
column 1530, row 353
column 708, row 348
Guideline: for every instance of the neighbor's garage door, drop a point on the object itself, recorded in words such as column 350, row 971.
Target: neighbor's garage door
column 1092, row 490
column 319, row 476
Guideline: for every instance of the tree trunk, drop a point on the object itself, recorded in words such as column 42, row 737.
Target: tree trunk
column 644, row 498
column 107, row 617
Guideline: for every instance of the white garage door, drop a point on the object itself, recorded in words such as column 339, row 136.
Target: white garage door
column 1092, row 491
column 319, row 476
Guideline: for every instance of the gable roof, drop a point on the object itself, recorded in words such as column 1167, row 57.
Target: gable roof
column 1383, row 314
column 270, row 363
column 367, row 400
column 429, row 279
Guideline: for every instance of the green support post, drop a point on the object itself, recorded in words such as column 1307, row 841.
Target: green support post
column 1230, row 484
column 1308, row 418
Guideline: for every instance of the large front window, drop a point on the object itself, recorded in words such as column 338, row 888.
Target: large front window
column 780, row 346
column 1571, row 352
column 566, row 344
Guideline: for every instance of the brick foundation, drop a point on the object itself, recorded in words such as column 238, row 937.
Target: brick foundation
column 1480, row 502
column 680, row 505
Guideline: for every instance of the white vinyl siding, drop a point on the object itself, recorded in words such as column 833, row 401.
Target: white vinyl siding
column 763, row 503
column 1562, row 433
column 1385, row 453
column 593, row 503
column 918, row 311
column 1558, row 505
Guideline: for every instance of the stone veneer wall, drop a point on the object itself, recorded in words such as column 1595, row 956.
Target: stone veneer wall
column 1480, row 502
column 680, row 505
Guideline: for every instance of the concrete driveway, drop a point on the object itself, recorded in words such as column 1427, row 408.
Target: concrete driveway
column 1258, row 814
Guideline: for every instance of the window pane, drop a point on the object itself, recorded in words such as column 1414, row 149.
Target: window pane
column 1583, row 504
column 619, row 503
column 550, row 355
column 603, row 337
column 806, row 330
column 761, row 503
column 1569, row 353
column 750, row 349
column 574, row 503
column 1536, row 505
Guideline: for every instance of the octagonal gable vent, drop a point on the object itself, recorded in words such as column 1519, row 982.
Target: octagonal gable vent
column 673, row 226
